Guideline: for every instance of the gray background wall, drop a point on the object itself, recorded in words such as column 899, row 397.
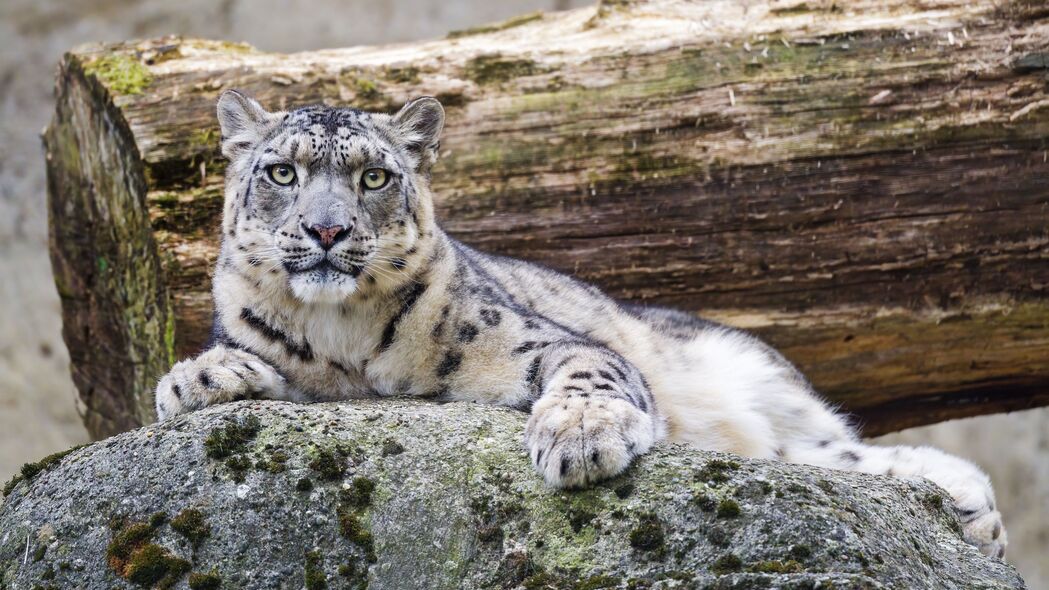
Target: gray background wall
column 38, row 414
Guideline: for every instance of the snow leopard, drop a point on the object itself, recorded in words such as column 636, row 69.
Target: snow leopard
column 334, row 282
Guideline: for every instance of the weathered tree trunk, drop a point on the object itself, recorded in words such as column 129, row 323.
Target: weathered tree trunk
column 863, row 183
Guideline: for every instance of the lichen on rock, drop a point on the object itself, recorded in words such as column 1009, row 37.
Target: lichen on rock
column 458, row 506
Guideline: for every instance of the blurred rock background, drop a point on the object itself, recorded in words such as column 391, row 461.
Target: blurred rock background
column 38, row 413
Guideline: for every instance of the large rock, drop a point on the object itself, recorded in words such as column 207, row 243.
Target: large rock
column 414, row 495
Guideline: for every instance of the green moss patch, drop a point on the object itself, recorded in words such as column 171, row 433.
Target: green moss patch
column 328, row 464
column 405, row 75
column 158, row 519
column 933, row 502
column 238, row 466
column 368, row 87
column 542, row 581
column 495, row 69
column 727, row 564
column 624, row 491
column 648, row 534
column 775, row 567
column 677, row 575
column 391, row 447
column 359, row 494
column 132, row 556
column 125, row 541
column 800, row 552
column 120, row 73
column 598, row 581
column 753, row 490
column 705, row 502
column 352, row 528
column 231, row 442
column 226, row 441
column 716, row 471
column 205, row 581
column 347, row 570
column 353, row 501
column 492, row 514
column 314, row 576
column 370, row 97
column 453, row 98
column 154, row 566
column 514, row 568
column 191, row 524
column 276, row 463
column 31, row 470
column 579, row 518
column 728, row 509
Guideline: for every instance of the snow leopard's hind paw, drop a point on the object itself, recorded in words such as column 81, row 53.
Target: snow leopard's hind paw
column 987, row 533
column 219, row 375
column 973, row 497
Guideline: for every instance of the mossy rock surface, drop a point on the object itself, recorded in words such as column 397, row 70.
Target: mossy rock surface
column 461, row 507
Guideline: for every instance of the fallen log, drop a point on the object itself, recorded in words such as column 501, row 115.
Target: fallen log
column 864, row 184
column 405, row 495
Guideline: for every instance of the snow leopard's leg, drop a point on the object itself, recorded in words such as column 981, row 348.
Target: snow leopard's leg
column 594, row 414
column 218, row 375
column 969, row 487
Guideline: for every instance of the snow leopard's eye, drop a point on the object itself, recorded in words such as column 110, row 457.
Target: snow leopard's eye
column 282, row 174
column 375, row 178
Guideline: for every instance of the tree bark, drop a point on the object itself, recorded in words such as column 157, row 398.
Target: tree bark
column 864, row 184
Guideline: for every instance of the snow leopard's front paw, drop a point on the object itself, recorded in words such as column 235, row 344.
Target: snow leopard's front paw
column 576, row 441
column 219, row 375
column 970, row 488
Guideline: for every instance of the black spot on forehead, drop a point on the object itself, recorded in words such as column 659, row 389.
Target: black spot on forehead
column 339, row 138
column 330, row 118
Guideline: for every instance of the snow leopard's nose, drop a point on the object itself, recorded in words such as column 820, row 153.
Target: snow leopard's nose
column 326, row 235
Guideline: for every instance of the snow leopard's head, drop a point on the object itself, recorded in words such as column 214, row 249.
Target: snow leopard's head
column 319, row 199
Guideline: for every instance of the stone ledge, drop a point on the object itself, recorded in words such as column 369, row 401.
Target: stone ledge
column 402, row 494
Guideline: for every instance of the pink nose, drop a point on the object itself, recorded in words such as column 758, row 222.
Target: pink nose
column 327, row 236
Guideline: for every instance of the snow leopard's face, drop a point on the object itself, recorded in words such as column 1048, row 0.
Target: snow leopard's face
column 321, row 198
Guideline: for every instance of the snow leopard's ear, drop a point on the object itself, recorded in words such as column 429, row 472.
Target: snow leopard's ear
column 418, row 125
column 242, row 120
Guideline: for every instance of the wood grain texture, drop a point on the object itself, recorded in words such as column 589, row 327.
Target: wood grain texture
column 116, row 317
column 864, row 183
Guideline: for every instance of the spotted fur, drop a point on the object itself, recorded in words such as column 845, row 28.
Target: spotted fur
column 380, row 302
